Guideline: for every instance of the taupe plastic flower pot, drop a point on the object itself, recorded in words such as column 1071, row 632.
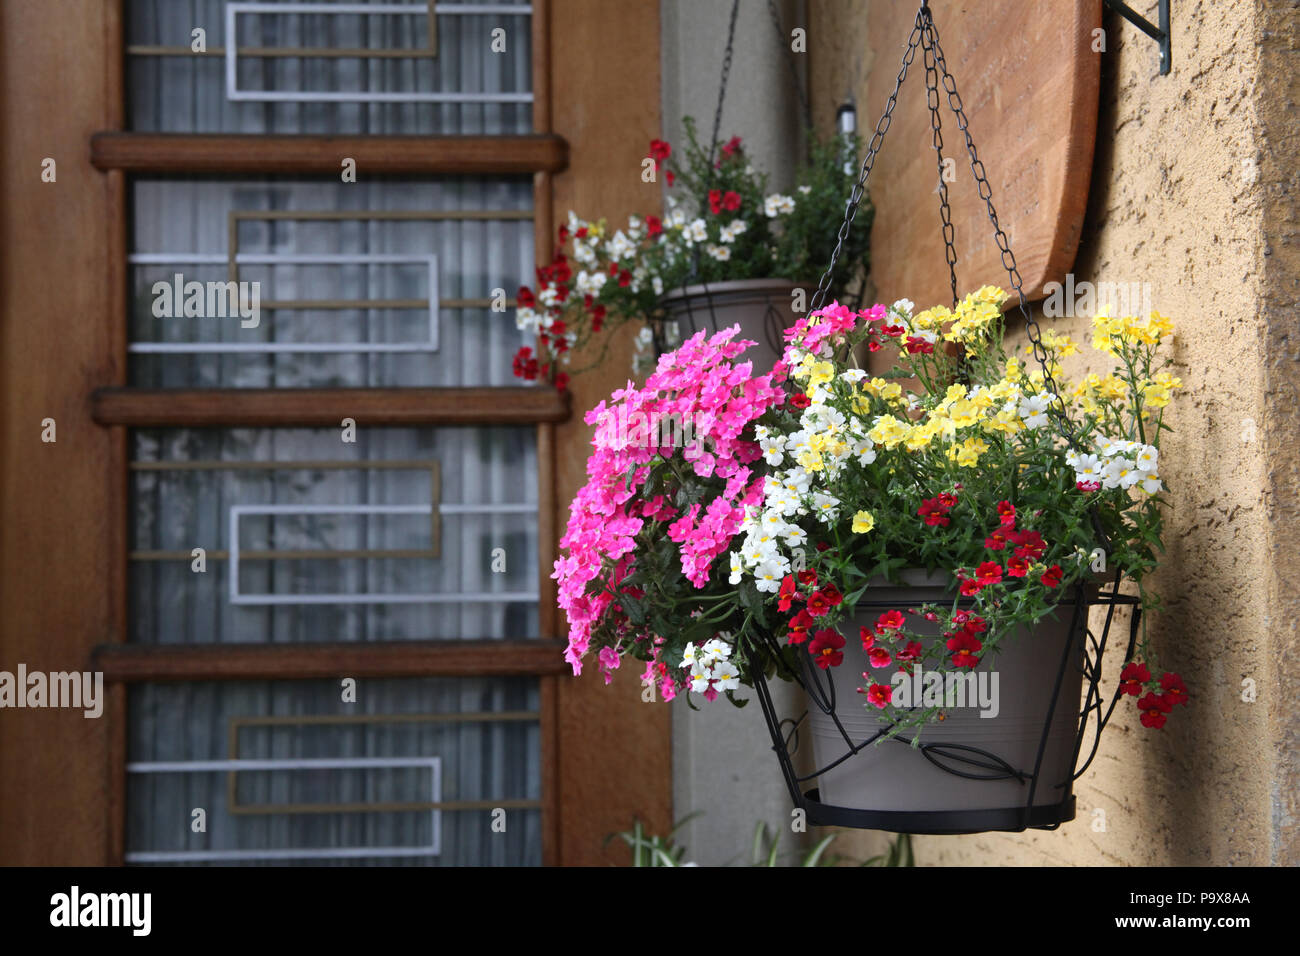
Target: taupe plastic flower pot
column 761, row 307
column 969, row 772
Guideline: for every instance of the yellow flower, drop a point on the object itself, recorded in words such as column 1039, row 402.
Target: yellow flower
column 967, row 454
column 1063, row 345
column 888, row 431
column 863, row 522
column 822, row 372
column 965, row 413
column 810, row 461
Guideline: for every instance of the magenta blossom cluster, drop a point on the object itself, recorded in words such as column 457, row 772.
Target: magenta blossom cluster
column 712, row 401
column 831, row 323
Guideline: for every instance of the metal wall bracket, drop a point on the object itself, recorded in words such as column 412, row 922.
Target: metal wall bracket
column 1160, row 34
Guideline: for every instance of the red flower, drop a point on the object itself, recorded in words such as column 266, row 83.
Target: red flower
column 946, row 500
column 799, row 625
column 525, row 364
column 1052, row 576
column 1017, row 567
column 731, row 147
column 825, row 647
column 715, row 201
column 912, row 652
column 997, row 540
column 934, row 512
column 915, row 345
column 525, row 297
column 879, row 657
column 808, row 578
column 1029, row 544
column 669, row 177
column 1087, row 485
column 562, row 380
column 659, row 151
column 624, row 279
column 965, row 649
column 563, row 233
column 970, row 587
column 990, row 572
column 1007, row 514
column 1154, row 707
column 787, row 594
column 970, row 621
column 1175, row 690
column 1132, row 677
column 799, row 400
column 868, row 637
column 731, row 201
column 879, row 694
column 597, row 318
column 893, row 331
column 653, row 225
column 832, row 594
column 889, row 621
column 819, row 604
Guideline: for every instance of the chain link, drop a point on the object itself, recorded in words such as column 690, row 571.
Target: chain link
column 936, row 138
column 1008, row 258
column 868, row 162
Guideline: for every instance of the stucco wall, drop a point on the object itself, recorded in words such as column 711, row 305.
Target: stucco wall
column 1194, row 191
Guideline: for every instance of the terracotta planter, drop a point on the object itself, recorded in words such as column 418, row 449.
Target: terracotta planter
column 761, row 307
column 975, row 769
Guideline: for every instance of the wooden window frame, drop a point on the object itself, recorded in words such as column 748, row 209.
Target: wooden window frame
column 64, row 604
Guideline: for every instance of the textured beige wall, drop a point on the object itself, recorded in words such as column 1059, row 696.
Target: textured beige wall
column 1193, row 190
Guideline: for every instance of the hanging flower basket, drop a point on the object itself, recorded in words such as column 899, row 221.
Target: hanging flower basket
column 706, row 263
column 762, row 308
column 964, row 524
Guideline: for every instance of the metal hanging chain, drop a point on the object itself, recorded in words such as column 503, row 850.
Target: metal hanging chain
column 1008, row 258
column 722, row 83
column 789, row 61
column 936, row 137
column 859, row 188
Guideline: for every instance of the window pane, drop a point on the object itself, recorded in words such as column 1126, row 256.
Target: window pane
column 282, row 283
column 473, row 575
column 402, row 745
column 472, row 86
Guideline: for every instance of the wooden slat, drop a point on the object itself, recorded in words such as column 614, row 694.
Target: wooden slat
column 469, row 658
column 307, row 407
column 374, row 155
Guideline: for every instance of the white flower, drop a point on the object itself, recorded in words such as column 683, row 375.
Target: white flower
column 700, row 680
column 865, row 449
column 657, row 284
column 853, row 375
column 688, row 656
column 620, row 247
column 583, row 251
column 825, row 507
column 1087, row 468
column 1033, row 409
column 737, row 568
column 549, row 296
column 645, row 337
column 773, row 449
column 777, row 205
column 768, row 576
column 903, row 306
column 526, row 320
column 1151, row 484
column 697, row 231
column 727, row 676
column 721, row 253
column 590, row 283
column 733, row 229
column 795, row 536
column 715, row 650
column 1120, row 473
column 805, row 190
column 1145, row 459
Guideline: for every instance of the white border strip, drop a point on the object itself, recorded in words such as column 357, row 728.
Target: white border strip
column 235, row 94
column 313, row 853
column 460, row 597
column 194, row 348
